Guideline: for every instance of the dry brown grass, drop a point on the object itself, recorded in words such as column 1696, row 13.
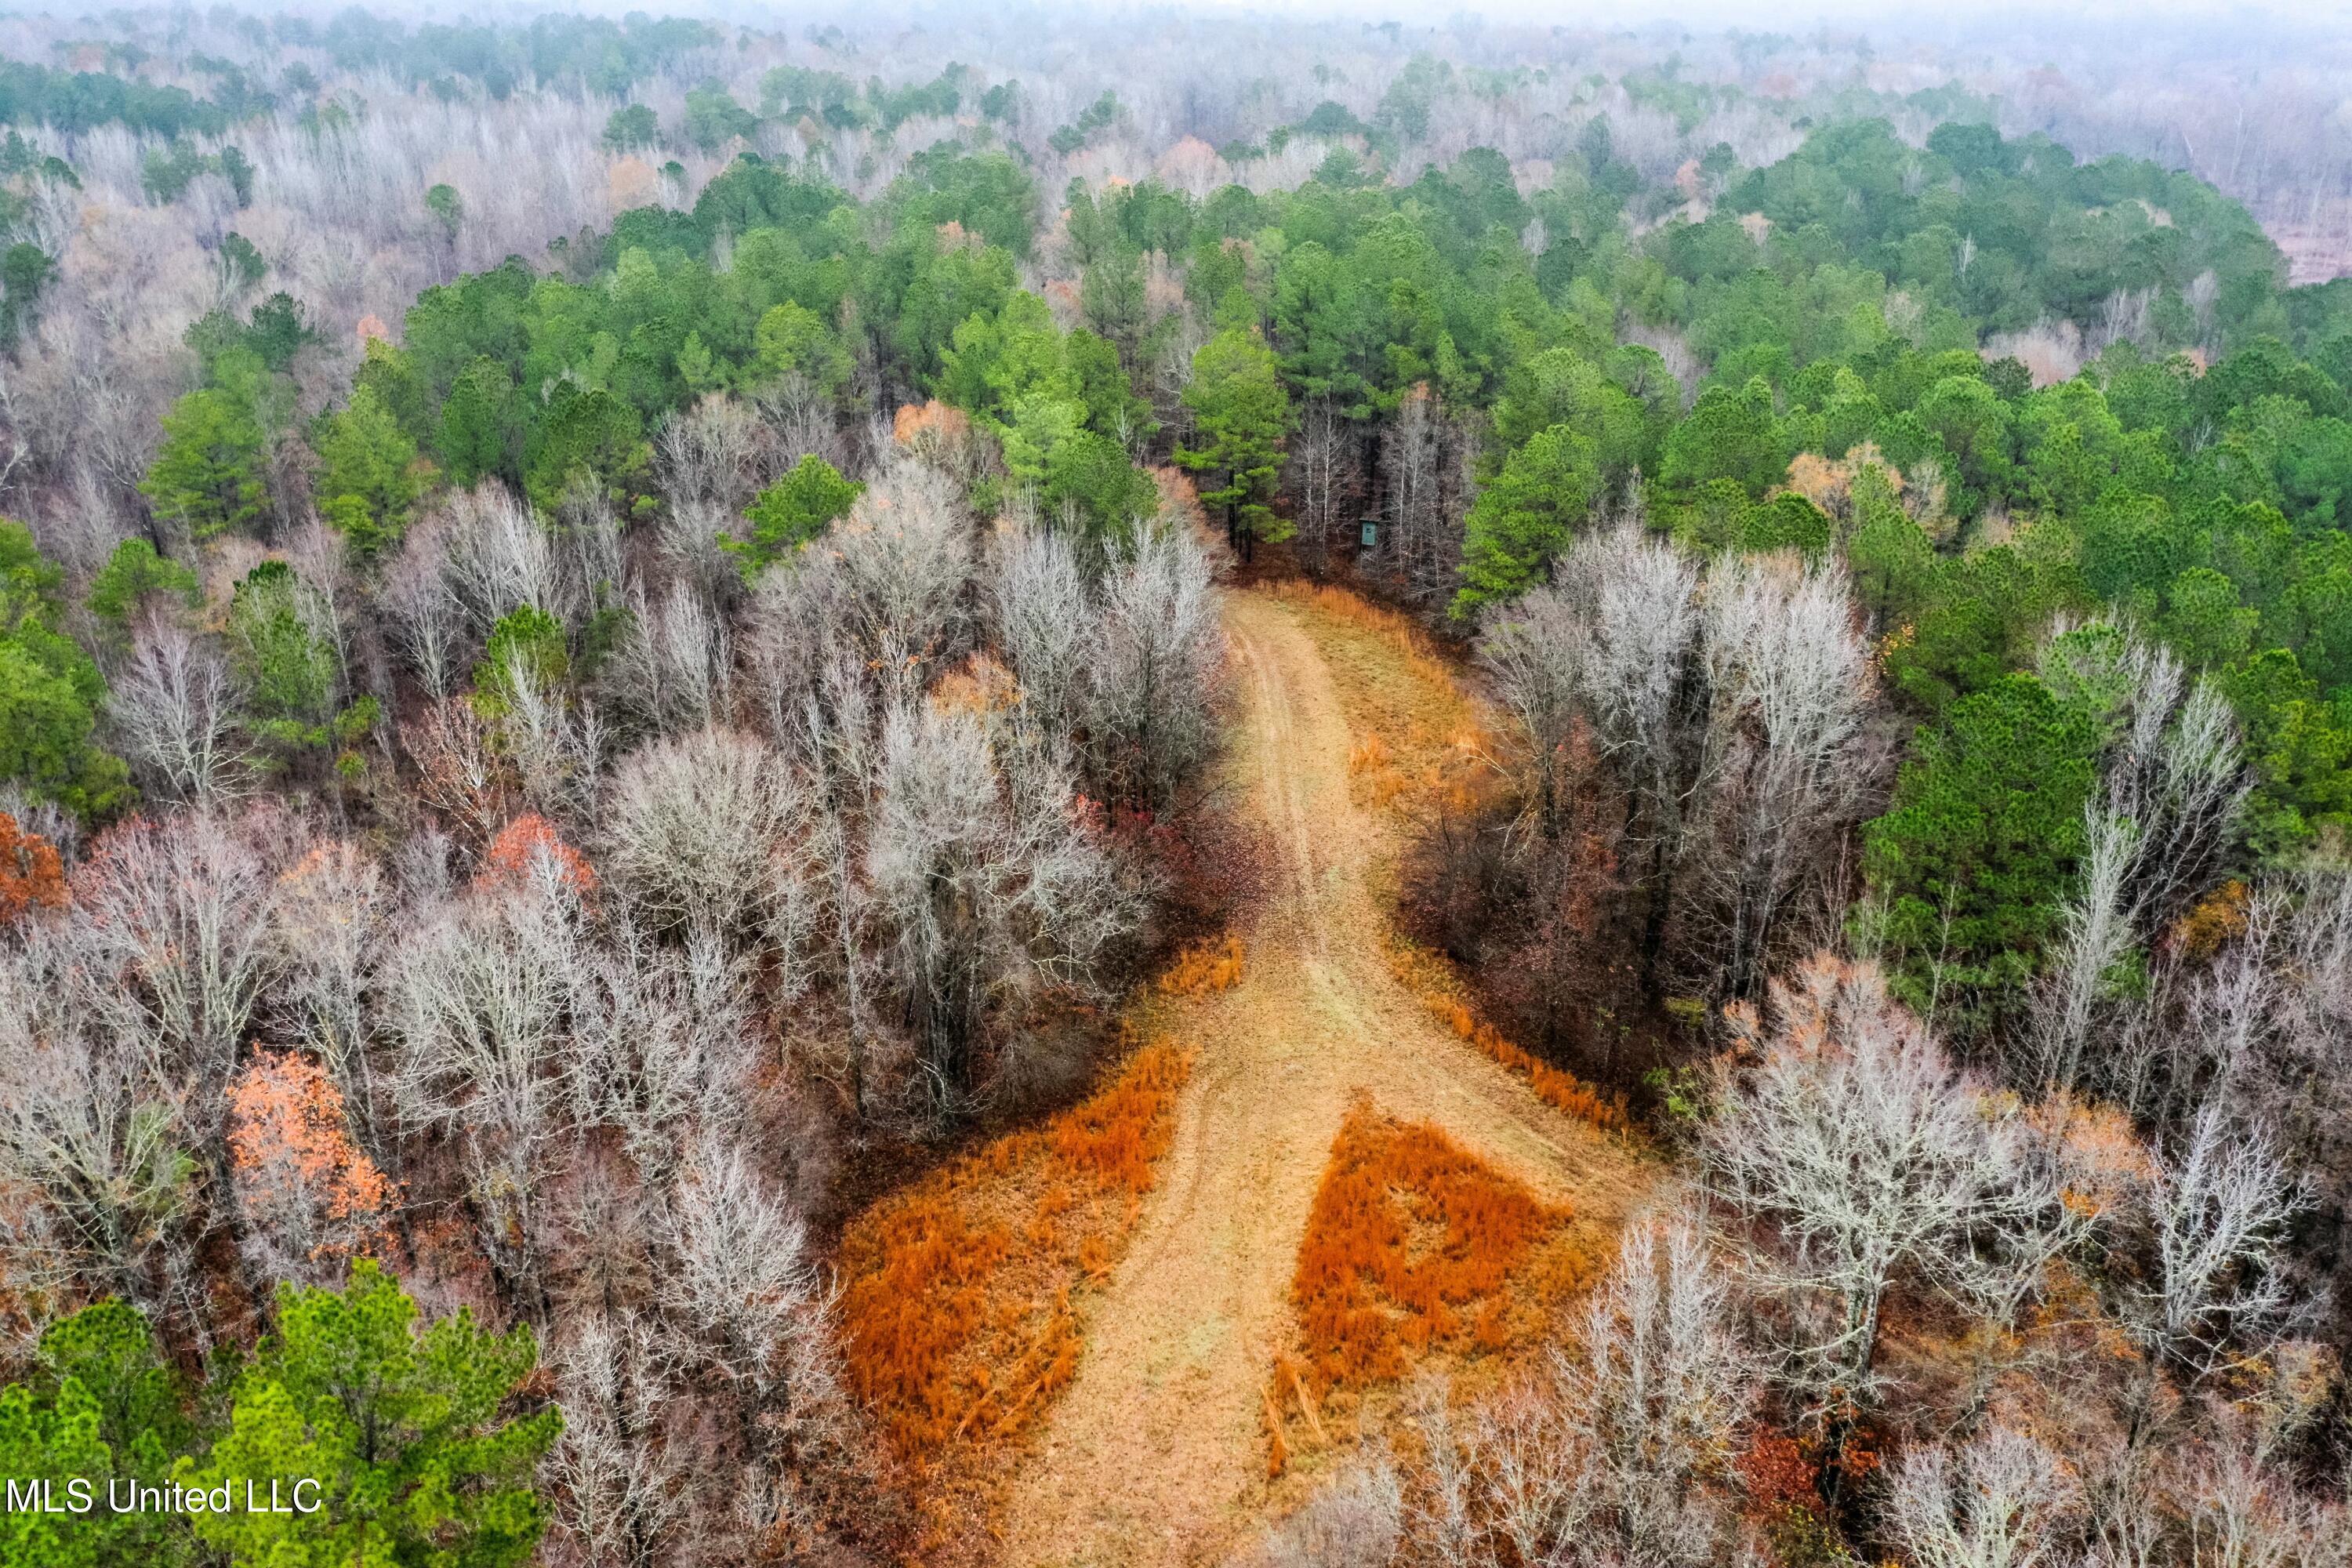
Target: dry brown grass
column 959, row 1317
column 1399, row 631
column 1411, row 1247
column 1419, row 740
column 1370, row 760
column 1209, row 967
column 1415, row 1252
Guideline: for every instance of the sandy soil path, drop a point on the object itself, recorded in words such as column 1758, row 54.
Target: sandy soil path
column 1155, row 1455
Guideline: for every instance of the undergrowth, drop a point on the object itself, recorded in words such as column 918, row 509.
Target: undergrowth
column 1199, row 970
column 958, row 1315
column 1428, row 976
column 1413, row 1249
column 1407, row 1248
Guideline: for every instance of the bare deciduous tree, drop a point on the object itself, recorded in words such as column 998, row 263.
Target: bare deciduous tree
column 711, row 452
column 741, row 1282
column 1737, row 712
column 2001, row 1504
column 902, row 559
column 429, row 618
column 90, row 1134
column 1045, row 621
column 627, row 1482
column 1414, row 455
column 2243, row 1508
column 172, row 708
column 1792, row 693
column 496, row 556
column 1356, row 1520
column 987, row 879
column 2218, row 1210
column 674, row 664
column 1534, row 649
column 327, row 922
column 661, row 1043
column 1654, row 1404
column 1862, row 1157
column 1635, row 622
column 1157, row 660
column 175, row 916
column 478, row 1000
column 460, row 774
column 2168, row 814
column 558, row 743
column 1318, row 471
column 825, row 915
column 692, row 825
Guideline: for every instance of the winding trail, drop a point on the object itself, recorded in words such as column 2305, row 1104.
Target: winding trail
column 1155, row 1455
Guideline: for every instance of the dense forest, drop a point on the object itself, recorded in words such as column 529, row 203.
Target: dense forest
column 617, row 657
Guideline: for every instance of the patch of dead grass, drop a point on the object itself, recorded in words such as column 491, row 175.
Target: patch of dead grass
column 1413, row 1248
column 1419, row 739
column 958, row 1317
column 1201, row 969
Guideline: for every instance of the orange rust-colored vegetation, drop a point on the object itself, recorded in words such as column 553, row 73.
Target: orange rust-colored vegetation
column 1409, row 1247
column 1116, row 1136
column 2219, row 918
column 937, row 432
column 980, row 685
column 513, row 855
column 959, row 1320
column 1201, row 969
column 296, row 1166
column 30, row 874
column 1428, row 976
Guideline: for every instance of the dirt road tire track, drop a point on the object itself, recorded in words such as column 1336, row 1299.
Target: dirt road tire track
column 1155, row 1456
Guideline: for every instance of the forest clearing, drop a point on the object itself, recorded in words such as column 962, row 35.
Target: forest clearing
column 1186, row 1334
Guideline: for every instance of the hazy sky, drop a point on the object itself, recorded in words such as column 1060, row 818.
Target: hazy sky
column 1792, row 17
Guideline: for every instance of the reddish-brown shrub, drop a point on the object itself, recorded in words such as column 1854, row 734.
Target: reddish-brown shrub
column 1776, row 1474
column 30, row 874
column 511, row 857
column 298, row 1172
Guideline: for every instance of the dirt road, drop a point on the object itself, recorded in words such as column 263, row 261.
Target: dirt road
column 1155, row 1456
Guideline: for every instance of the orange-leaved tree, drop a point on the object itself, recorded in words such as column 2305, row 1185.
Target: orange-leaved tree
column 30, row 874
column 310, row 1198
column 528, row 847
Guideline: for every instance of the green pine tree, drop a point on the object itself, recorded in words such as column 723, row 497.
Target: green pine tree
column 792, row 511
column 1526, row 515
column 408, row 1435
column 367, row 478
column 1241, row 416
column 208, row 473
